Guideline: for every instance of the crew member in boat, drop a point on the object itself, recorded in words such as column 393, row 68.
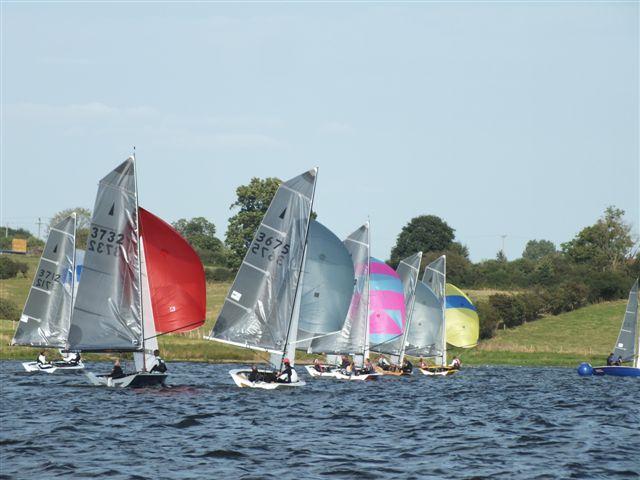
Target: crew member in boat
column 455, row 363
column 368, row 367
column 42, row 359
column 116, row 371
column 351, row 369
column 288, row 374
column 345, row 362
column 254, row 375
column 618, row 362
column 160, row 366
column 407, row 366
column 610, row 359
column 317, row 365
column 383, row 363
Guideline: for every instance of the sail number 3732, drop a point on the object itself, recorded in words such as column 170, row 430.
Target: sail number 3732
column 271, row 248
column 105, row 241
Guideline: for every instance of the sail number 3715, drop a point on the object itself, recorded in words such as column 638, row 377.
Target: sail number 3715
column 273, row 249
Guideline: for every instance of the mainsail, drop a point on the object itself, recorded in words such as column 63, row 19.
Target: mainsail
column 387, row 312
column 462, row 322
column 408, row 271
column 625, row 346
column 107, row 312
column 47, row 312
column 352, row 338
column 327, row 285
column 258, row 309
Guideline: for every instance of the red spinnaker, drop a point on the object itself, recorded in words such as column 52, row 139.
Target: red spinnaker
column 176, row 276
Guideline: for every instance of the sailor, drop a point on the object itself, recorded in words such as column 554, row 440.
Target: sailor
column 42, row 359
column 317, row 365
column 618, row 362
column 116, row 372
column 422, row 364
column 345, row 362
column 287, row 373
column 76, row 359
column 610, row 359
column 383, row 363
column 352, row 369
column 368, row 367
column 407, row 366
column 160, row 366
column 455, row 363
column 254, row 376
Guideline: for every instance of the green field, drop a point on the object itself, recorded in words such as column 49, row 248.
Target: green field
column 562, row 340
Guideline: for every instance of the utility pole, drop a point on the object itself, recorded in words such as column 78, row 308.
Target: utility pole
column 39, row 223
column 504, row 236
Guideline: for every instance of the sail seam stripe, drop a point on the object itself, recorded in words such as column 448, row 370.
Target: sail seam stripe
column 237, row 304
column 274, row 229
column 410, row 266
column 115, row 187
column 61, row 231
column 41, row 290
column 434, row 270
column 356, row 241
column 257, row 268
column 50, row 261
column 296, row 192
column 630, row 311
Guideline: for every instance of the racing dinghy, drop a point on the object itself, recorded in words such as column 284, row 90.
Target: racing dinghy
column 46, row 316
column 627, row 347
column 390, row 326
column 262, row 308
column 353, row 336
column 140, row 278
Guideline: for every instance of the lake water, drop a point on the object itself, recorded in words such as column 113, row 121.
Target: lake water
column 511, row 423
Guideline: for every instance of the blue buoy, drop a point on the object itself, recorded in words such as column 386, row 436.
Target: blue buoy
column 585, row 369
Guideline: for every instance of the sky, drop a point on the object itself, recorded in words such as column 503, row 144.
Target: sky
column 503, row 118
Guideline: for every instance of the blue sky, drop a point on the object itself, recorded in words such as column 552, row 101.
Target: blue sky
column 502, row 118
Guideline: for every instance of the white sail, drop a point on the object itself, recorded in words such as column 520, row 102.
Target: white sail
column 435, row 279
column 144, row 361
column 625, row 346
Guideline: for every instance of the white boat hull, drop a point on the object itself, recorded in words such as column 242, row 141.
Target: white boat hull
column 330, row 373
column 438, row 372
column 361, row 377
column 56, row 367
column 133, row 380
column 240, row 377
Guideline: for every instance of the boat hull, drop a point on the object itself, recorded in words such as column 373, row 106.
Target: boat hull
column 367, row 377
column 133, row 380
column 56, row 367
column 617, row 371
column 438, row 371
column 240, row 377
column 330, row 372
column 390, row 373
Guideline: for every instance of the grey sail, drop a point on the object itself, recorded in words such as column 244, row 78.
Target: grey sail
column 352, row 337
column 107, row 314
column 626, row 344
column 327, row 285
column 407, row 270
column 258, row 308
column 47, row 312
column 434, row 277
column 424, row 337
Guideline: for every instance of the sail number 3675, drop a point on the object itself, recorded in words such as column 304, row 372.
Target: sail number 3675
column 270, row 248
column 105, row 241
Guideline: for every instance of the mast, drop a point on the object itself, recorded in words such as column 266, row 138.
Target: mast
column 296, row 300
column 444, row 314
column 409, row 315
column 366, row 329
column 135, row 177
column 73, row 270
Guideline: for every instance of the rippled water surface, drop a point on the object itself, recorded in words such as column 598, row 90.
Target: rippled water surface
column 502, row 422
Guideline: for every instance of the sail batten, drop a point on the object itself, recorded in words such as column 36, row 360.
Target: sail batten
column 46, row 316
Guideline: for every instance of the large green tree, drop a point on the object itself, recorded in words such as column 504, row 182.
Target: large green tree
column 606, row 245
column 201, row 235
column 252, row 203
column 426, row 233
column 536, row 249
column 83, row 222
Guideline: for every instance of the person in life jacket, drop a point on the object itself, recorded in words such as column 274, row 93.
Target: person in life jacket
column 345, row 362
column 117, row 371
column 42, row 359
column 407, row 366
column 317, row 365
column 610, row 359
column 254, row 375
column 160, row 366
column 455, row 363
column 288, row 374
column 368, row 367
column 383, row 363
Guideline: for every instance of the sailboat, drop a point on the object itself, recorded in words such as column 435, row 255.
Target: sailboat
column 353, row 336
column 140, row 278
column 47, row 312
column 262, row 308
column 627, row 346
column 407, row 273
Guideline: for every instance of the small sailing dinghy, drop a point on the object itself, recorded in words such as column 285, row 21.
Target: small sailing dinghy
column 47, row 312
column 140, row 278
column 390, row 326
column 353, row 336
column 627, row 345
column 261, row 310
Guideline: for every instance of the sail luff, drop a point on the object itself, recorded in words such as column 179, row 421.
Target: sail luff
column 411, row 300
column 368, row 290
column 142, row 325
column 625, row 346
column 73, row 271
column 444, row 314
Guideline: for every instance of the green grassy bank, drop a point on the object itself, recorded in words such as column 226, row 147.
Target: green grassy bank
column 586, row 334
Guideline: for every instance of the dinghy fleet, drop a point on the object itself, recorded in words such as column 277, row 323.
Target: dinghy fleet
column 299, row 288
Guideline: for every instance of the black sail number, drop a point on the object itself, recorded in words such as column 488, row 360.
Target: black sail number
column 105, row 241
column 46, row 278
column 269, row 247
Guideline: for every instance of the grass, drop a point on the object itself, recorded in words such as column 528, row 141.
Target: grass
column 586, row 334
